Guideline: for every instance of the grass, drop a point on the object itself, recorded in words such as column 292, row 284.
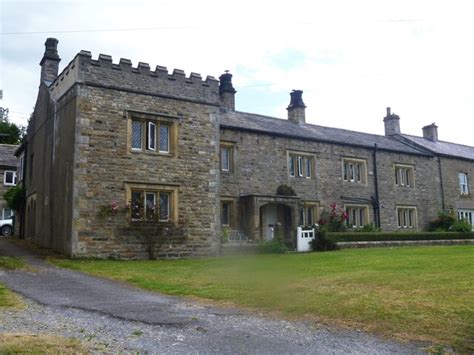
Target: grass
column 8, row 298
column 39, row 344
column 423, row 293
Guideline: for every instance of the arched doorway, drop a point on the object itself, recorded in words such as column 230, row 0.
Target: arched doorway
column 276, row 218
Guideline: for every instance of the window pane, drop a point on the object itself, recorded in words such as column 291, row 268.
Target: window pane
column 150, row 206
column 136, row 205
column 136, row 135
column 291, row 161
column 164, row 206
column 225, row 158
column 164, row 138
column 151, row 136
column 225, row 214
column 300, row 166
column 308, row 167
column 309, row 218
column 302, row 221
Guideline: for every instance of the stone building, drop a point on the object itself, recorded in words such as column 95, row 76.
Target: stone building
column 114, row 150
column 8, row 171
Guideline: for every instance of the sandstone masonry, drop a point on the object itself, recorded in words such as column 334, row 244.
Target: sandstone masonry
column 129, row 162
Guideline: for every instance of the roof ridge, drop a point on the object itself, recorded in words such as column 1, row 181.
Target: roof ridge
column 464, row 145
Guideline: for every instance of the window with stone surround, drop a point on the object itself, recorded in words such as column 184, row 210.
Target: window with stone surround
column 149, row 202
column 354, row 170
column 404, row 175
column 467, row 215
column 9, row 178
column 227, row 156
column 357, row 215
column 152, row 134
column 226, row 207
column 407, row 217
column 309, row 214
column 463, row 184
column 300, row 165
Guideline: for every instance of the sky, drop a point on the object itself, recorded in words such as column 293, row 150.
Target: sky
column 352, row 59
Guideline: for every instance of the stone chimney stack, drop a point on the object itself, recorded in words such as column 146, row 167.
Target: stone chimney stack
column 392, row 123
column 296, row 108
column 50, row 62
column 430, row 132
column 227, row 91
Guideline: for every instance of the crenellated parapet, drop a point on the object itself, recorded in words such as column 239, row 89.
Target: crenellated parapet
column 141, row 79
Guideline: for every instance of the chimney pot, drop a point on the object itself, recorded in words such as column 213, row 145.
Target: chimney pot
column 227, row 91
column 50, row 61
column 391, row 123
column 296, row 108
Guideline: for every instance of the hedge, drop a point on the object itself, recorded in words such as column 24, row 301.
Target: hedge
column 384, row 236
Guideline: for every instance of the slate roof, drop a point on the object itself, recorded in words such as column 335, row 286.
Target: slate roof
column 443, row 148
column 275, row 126
column 7, row 157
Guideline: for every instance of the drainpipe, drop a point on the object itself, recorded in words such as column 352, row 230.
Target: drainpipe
column 376, row 204
column 441, row 183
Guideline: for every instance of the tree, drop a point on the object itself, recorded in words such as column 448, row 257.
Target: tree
column 10, row 133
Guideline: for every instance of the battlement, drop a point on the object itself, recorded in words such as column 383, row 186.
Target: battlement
column 103, row 72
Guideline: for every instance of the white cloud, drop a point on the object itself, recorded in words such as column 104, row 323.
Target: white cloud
column 354, row 57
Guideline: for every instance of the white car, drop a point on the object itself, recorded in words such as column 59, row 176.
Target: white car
column 6, row 227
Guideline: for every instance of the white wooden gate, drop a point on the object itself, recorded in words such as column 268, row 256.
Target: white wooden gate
column 303, row 239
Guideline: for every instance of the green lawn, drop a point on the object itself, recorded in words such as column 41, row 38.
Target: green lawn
column 422, row 293
column 8, row 298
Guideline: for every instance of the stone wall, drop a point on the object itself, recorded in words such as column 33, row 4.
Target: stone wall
column 261, row 165
column 105, row 164
column 450, row 168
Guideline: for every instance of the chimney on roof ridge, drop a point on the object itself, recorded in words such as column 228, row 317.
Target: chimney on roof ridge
column 50, row 61
column 296, row 108
column 392, row 123
column 430, row 132
column 227, row 91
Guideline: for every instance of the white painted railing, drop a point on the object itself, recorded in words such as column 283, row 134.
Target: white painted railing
column 304, row 238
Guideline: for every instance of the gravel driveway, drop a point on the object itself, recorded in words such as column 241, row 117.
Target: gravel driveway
column 112, row 317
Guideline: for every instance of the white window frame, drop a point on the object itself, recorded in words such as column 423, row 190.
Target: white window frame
column 151, row 143
column 410, row 214
column 354, row 170
column 358, row 214
column 404, row 175
column 300, row 165
column 467, row 215
column 463, row 183
column 13, row 175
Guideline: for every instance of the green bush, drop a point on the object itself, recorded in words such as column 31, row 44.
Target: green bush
column 15, row 197
column 368, row 228
column 321, row 242
column 333, row 220
column 385, row 236
column 274, row 246
column 461, row 226
column 443, row 222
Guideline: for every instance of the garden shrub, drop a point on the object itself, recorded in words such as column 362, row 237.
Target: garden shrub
column 321, row 242
column 333, row 220
column 274, row 246
column 461, row 226
column 443, row 222
column 387, row 236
